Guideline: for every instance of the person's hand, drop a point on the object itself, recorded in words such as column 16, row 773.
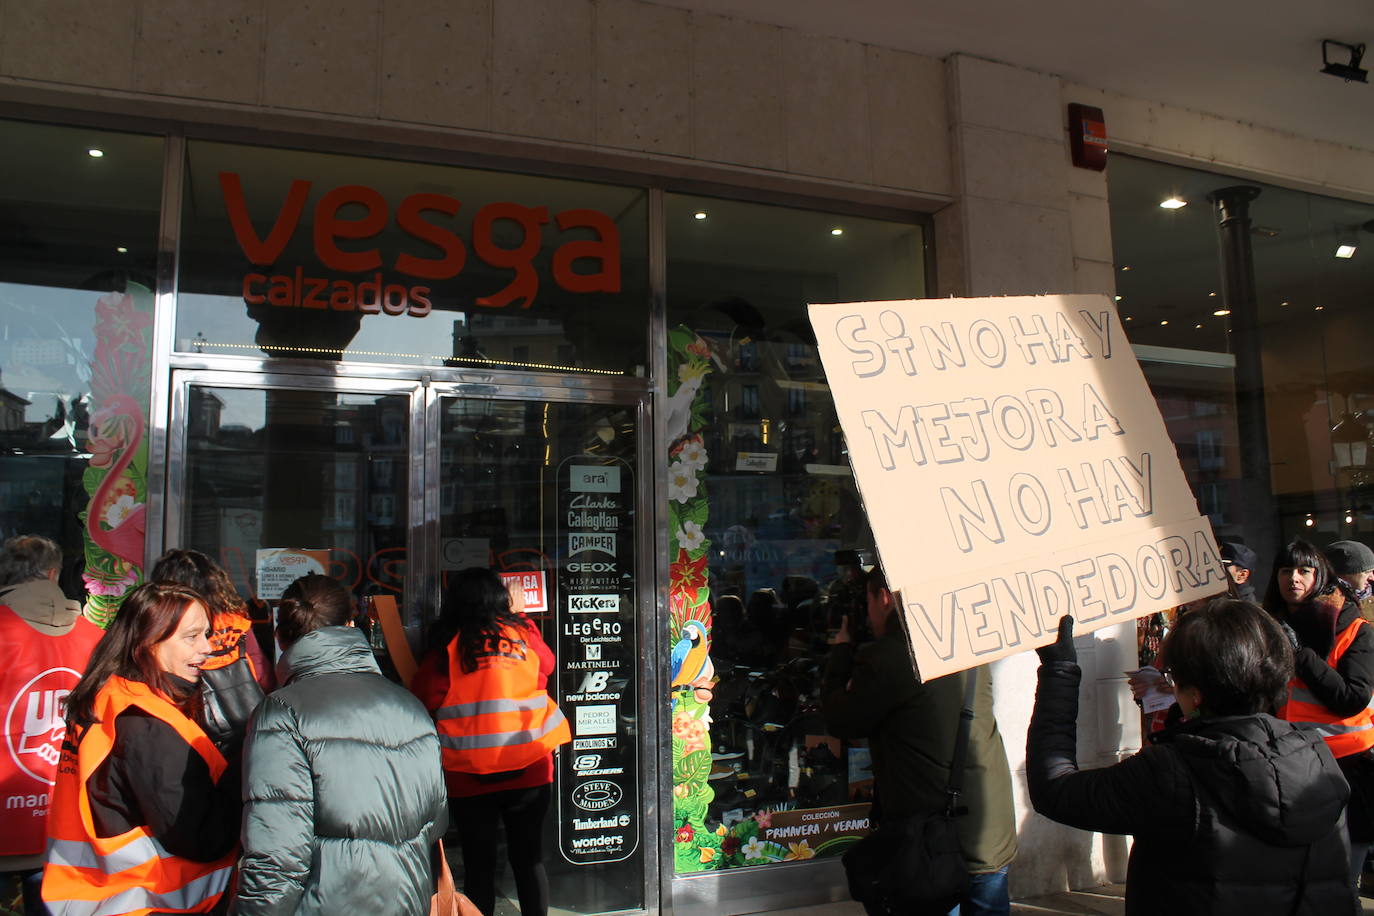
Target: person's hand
column 1061, row 650
column 842, row 634
column 1291, row 634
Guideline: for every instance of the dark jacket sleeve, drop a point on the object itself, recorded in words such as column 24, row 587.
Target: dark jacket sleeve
column 156, row 780
column 855, row 695
column 278, row 815
column 1347, row 688
column 1143, row 793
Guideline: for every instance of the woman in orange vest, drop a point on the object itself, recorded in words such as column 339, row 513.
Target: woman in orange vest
column 484, row 680
column 236, row 674
column 145, row 811
column 1333, row 661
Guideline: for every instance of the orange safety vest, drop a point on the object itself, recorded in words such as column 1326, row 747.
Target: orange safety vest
column 130, row 874
column 498, row 718
column 37, row 671
column 227, row 632
column 1343, row 737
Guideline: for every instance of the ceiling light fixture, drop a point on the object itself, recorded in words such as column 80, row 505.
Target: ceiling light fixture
column 122, row 250
column 95, row 153
column 1309, row 521
column 1125, row 267
column 1351, row 71
column 1211, row 295
column 1117, row 298
column 1221, row 313
column 1173, row 203
column 1163, row 322
column 837, row 231
column 700, row 214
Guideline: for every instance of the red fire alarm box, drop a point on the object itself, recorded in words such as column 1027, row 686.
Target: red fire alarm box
column 1087, row 137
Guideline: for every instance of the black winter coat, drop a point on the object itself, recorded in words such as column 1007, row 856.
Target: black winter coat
column 1238, row 815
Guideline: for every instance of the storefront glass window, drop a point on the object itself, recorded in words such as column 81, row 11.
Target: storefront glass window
column 1304, row 333
column 78, row 258
column 768, row 536
column 308, row 255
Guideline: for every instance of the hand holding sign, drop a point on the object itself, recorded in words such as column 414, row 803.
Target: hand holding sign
column 1014, row 468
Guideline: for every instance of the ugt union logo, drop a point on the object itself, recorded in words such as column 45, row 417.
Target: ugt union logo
column 35, row 723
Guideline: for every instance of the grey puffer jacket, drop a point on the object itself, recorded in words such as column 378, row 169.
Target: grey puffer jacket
column 343, row 790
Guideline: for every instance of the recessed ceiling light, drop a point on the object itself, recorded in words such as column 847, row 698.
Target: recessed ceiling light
column 1211, row 295
column 1197, row 326
column 95, row 153
column 1345, row 251
column 122, row 250
column 1127, row 318
column 1117, row 298
column 837, row 231
column 1173, row 203
column 1163, row 322
column 1318, row 308
column 700, row 214
column 1283, row 303
column 1222, row 313
column 1125, row 267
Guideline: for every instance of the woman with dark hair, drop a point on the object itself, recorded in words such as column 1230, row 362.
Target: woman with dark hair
column 1234, row 811
column 145, row 811
column 1333, row 658
column 342, row 797
column 235, row 674
column 485, row 678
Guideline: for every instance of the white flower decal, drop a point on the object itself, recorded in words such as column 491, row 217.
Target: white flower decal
column 753, row 849
column 690, row 537
column 693, row 454
column 119, row 510
column 682, row 482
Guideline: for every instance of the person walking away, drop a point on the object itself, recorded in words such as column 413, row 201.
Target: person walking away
column 1234, row 811
column 912, row 726
column 1353, row 563
column 486, row 675
column 145, row 811
column 45, row 643
column 343, row 798
column 1333, row 661
column 236, row 674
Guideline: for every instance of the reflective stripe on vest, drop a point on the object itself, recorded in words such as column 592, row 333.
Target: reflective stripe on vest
column 497, row 718
column 504, row 739
column 1343, row 736
column 142, row 900
column 90, row 875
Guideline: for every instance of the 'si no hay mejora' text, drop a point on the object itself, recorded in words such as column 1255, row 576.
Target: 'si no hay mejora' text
column 1046, row 473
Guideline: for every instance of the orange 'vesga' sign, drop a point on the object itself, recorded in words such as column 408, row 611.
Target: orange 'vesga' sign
column 297, row 287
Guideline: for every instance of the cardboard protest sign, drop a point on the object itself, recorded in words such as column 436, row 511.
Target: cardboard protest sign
column 1014, row 467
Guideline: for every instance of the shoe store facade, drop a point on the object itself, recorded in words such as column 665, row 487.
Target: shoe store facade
column 528, row 291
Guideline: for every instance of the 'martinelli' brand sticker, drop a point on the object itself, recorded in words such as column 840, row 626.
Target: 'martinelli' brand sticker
column 590, row 478
column 578, row 542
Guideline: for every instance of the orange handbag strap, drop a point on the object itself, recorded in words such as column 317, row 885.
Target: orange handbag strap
column 396, row 644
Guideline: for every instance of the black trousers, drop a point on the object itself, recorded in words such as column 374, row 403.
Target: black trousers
column 522, row 812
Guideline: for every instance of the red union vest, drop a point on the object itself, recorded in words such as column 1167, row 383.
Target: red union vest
column 1343, row 737
column 130, row 874
column 37, row 671
column 498, row 718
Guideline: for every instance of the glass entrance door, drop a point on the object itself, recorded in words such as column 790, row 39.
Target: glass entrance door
column 390, row 485
column 277, row 476
column 548, row 493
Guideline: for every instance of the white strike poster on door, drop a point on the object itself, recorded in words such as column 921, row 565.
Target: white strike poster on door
column 1014, row 467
